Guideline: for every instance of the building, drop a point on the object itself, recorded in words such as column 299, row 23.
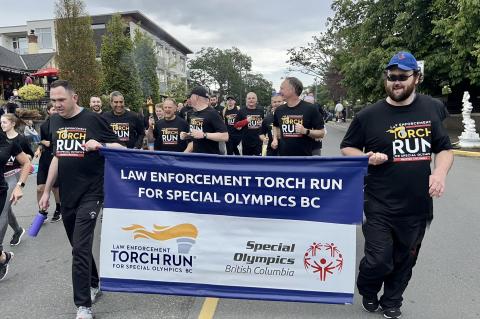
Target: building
column 171, row 53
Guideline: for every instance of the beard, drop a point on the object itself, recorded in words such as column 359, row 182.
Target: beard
column 402, row 95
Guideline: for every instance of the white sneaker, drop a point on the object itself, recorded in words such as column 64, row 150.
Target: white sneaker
column 94, row 294
column 84, row 313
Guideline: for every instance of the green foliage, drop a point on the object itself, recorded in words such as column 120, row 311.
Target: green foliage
column 263, row 88
column 364, row 34
column 76, row 49
column 31, row 92
column 146, row 62
column 119, row 70
column 177, row 90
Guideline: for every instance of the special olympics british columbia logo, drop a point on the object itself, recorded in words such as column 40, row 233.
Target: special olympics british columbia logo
column 323, row 259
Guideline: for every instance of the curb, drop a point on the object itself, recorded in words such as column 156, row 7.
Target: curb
column 466, row 153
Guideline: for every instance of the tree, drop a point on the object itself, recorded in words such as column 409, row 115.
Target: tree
column 255, row 82
column 146, row 62
column 76, row 49
column 120, row 72
column 177, row 90
column 223, row 69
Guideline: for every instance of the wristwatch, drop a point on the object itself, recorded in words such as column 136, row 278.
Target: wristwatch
column 307, row 132
column 205, row 135
column 21, row 184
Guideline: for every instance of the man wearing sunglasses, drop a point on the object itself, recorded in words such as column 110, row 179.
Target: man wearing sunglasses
column 399, row 134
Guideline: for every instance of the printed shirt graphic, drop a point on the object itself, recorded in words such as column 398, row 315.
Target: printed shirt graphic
column 287, row 125
column 411, row 141
column 70, row 141
column 254, row 121
column 122, row 130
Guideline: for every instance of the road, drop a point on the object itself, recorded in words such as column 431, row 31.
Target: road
column 444, row 284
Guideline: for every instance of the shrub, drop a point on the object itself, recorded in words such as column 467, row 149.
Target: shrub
column 31, row 92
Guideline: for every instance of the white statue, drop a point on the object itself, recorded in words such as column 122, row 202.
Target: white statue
column 469, row 137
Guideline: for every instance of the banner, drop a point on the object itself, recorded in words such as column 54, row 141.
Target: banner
column 236, row 227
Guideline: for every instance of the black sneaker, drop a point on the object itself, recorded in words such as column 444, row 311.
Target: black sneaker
column 56, row 217
column 17, row 238
column 370, row 304
column 392, row 313
column 4, row 266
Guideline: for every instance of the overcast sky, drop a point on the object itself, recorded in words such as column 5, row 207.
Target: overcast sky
column 263, row 29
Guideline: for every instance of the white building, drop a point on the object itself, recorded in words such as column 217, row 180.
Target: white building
column 172, row 54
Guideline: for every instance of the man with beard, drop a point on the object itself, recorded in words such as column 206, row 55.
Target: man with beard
column 206, row 126
column 126, row 124
column 234, row 136
column 249, row 120
column 96, row 104
column 214, row 103
column 297, row 123
column 166, row 131
column 399, row 135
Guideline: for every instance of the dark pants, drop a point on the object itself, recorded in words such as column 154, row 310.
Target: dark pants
column 391, row 251
column 252, row 149
column 79, row 224
column 232, row 146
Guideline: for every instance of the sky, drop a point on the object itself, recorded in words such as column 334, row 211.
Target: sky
column 262, row 29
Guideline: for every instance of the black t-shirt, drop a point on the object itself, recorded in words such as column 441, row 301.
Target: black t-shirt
column 80, row 173
column 229, row 117
column 253, row 129
column 128, row 127
column 218, row 108
column 167, row 135
column 7, row 150
column 267, row 127
column 408, row 135
column 20, row 140
column 208, row 121
column 285, row 118
column 186, row 112
column 47, row 152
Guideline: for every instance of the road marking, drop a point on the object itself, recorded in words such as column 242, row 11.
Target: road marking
column 466, row 153
column 208, row 308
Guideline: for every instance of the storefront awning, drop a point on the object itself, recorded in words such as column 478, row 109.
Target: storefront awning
column 46, row 72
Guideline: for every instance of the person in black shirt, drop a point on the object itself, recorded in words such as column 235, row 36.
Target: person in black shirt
column 296, row 123
column 234, row 136
column 77, row 134
column 267, row 127
column 186, row 110
column 214, row 104
column 11, row 173
column 96, row 104
column 166, row 133
column 126, row 124
column 249, row 120
column 45, row 154
column 399, row 135
column 7, row 150
column 207, row 128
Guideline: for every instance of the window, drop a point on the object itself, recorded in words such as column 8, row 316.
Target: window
column 44, row 38
column 20, row 45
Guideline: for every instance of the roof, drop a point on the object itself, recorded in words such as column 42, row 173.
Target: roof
column 10, row 59
column 37, row 61
column 148, row 25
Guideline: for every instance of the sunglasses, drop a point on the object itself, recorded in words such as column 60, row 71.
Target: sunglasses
column 398, row 77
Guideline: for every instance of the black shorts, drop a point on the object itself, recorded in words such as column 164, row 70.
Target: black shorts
column 42, row 175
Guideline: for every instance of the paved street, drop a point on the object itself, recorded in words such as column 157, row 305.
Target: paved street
column 444, row 284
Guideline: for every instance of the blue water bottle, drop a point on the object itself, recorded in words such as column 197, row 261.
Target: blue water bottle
column 37, row 223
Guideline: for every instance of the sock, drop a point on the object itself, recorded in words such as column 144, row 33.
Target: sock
column 57, row 207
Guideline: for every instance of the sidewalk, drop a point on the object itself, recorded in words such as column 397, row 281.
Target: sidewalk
column 452, row 132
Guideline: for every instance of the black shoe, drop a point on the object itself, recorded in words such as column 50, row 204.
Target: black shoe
column 370, row 304
column 4, row 266
column 56, row 217
column 392, row 313
column 17, row 238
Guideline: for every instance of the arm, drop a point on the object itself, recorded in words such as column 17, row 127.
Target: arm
column 189, row 148
column 52, row 177
column 443, row 163
column 17, row 193
column 217, row 136
column 373, row 158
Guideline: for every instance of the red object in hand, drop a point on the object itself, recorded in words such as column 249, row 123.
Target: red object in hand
column 241, row 123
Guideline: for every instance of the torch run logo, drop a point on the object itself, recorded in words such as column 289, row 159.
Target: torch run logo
column 324, row 260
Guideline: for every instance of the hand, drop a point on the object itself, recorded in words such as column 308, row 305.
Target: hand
column 92, row 145
column 197, row 134
column 300, row 129
column 44, row 202
column 16, row 195
column 274, row 144
column 38, row 152
column 376, row 158
column 151, row 121
column 184, row 136
column 436, row 185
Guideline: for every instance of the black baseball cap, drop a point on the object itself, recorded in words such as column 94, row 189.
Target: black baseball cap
column 231, row 97
column 200, row 91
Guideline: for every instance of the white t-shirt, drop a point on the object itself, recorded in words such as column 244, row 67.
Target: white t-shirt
column 338, row 107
